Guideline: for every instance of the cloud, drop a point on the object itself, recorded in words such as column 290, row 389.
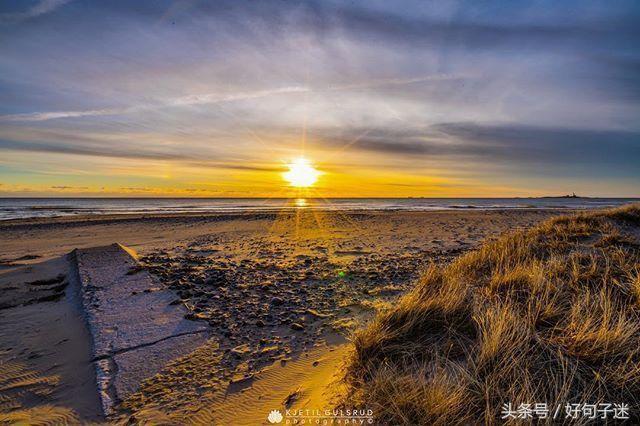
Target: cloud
column 207, row 98
column 474, row 34
column 136, row 188
column 615, row 76
column 97, row 147
column 40, row 8
column 553, row 144
column 400, row 144
column 466, row 24
column 213, row 98
column 104, row 151
column 44, row 116
column 497, row 143
column 64, row 187
column 236, row 166
column 382, row 82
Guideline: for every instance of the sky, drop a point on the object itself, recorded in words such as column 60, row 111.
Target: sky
column 386, row 99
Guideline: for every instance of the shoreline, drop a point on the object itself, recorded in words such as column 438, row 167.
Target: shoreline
column 98, row 218
column 58, row 236
column 39, row 209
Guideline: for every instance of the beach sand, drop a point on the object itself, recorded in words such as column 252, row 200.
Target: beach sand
column 281, row 292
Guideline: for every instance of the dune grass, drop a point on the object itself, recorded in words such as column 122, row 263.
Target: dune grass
column 547, row 315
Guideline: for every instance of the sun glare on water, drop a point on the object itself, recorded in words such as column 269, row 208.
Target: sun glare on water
column 301, row 173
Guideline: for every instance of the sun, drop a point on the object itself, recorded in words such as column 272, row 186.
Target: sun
column 301, row 173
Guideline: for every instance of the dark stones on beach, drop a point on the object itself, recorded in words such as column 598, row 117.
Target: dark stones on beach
column 277, row 301
column 316, row 314
column 216, row 278
column 241, row 350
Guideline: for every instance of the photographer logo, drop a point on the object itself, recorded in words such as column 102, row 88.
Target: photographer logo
column 275, row 416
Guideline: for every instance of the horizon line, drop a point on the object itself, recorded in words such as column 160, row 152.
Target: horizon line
column 315, row 198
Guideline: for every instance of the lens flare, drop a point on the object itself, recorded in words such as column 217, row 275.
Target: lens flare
column 301, row 173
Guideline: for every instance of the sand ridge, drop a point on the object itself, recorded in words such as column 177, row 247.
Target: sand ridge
column 135, row 327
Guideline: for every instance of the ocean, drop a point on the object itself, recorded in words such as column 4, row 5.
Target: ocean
column 21, row 208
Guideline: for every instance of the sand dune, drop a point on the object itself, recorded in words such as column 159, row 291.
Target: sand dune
column 546, row 316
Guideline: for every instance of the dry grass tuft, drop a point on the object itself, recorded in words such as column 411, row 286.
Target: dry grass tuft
column 549, row 315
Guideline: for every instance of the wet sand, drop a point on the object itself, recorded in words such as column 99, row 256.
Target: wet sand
column 273, row 288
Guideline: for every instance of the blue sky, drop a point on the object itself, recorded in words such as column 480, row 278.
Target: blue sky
column 199, row 98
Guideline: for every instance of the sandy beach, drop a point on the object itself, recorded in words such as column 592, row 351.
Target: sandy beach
column 319, row 212
column 279, row 295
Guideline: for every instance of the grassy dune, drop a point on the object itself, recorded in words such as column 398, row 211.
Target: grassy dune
column 551, row 314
